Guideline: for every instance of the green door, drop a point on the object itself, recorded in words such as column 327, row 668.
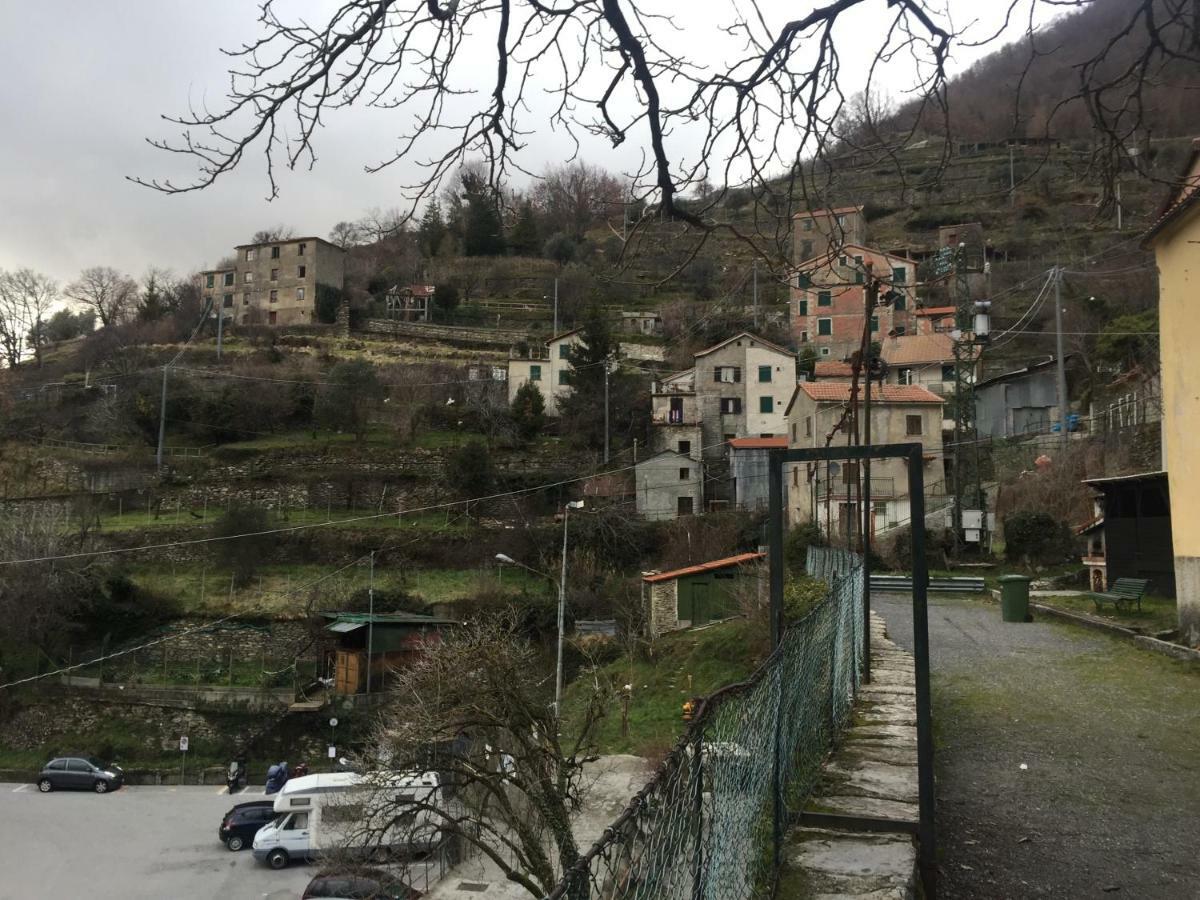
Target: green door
column 701, row 602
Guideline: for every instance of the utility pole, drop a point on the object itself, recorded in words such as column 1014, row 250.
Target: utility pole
column 606, row 364
column 562, row 606
column 1012, row 181
column 555, row 307
column 220, row 328
column 1060, row 366
column 872, row 299
column 162, row 419
column 756, row 293
column 370, row 618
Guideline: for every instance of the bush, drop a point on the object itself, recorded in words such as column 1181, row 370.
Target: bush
column 529, row 411
column 938, row 543
column 800, row 595
column 799, row 539
column 1036, row 538
column 242, row 555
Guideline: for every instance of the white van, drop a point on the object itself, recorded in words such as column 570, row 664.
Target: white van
column 349, row 812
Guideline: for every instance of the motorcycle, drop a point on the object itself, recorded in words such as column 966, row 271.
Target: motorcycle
column 277, row 777
column 235, row 778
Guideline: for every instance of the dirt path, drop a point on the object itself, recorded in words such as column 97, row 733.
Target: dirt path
column 1109, row 805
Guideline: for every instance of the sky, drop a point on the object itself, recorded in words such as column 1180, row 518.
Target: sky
column 86, row 83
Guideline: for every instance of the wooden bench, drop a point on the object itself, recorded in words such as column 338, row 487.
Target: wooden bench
column 1124, row 590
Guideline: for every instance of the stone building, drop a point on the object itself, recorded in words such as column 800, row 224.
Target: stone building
column 544, row 366
column 697, row 595
column 275, row 283
column 827, row 493
column 817, row 232
column 749, row 471
column 668, row 485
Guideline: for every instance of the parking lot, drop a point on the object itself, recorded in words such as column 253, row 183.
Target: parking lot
column 138, row 842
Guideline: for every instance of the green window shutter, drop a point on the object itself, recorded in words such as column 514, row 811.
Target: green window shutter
column 824, row 298
column 766, row 404
column 825, row 327
column 874, row 323
column 535, row 373
column 764, row 374
column 899, row 274
column 804, row 307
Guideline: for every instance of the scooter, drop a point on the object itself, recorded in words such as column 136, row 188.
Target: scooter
column 235, row 778
column 277, row 777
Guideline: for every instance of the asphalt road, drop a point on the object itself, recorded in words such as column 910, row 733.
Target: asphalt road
column 135, row 843
column 1065, row 759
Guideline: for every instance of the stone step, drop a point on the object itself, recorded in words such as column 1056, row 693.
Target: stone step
column 875, row 807
column 869, row 778
column 828, row 864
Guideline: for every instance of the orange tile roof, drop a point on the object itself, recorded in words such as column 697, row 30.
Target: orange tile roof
column 839, row 391
column 833, row 368
column 704, row 567
column 908, row 349
column 936, row 311
column 758, row 443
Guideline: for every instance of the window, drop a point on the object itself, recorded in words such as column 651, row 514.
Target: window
column 824, row 298
column 824, row 351
column 301, row 271
column 808, row 426
column 766, row 404
column 248, row 278
column 58, row 765
column 913, row 425
column 825, row 329
column 300, row 248
column 804, row 337
column 274, row 297
column 899, row 331
column 683, row 506
column 806, row 249
column 793, row 432
column 684, row 473
column 764, row 374
column 272, row 317
column 899, row 274
column 251, row 255
column 274, row 253
column 298, row 822
column 731, row 406
column 808, row 224
column 841, row 220
column 562, row 376
column 563, row 351
column 874, row 323
column 948, row 373
column 803, row 308
column 274, row 274
column 803, row 280
column 228, row 279
column 227, row 301
column 245, row 299
column 904, row 376
column 858, row 270
column 685, row 447
column 300, row 293
column 79, row 765
column 881, row 513
column 727, row 374
column 899, row 301
column 535, row 373
column 849, row 472
column 209, row 280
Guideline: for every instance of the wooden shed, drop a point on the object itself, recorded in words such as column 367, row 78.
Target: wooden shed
column 390, row 640
column 694, row 595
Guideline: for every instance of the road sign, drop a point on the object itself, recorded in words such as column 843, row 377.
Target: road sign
column 183, row 743
column 333, row 723
column 332, row 752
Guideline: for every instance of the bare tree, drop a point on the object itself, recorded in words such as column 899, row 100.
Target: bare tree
column 346, row 234
column 761, row 116
column 113, row 296
column 575, row 195
column 26, row 299
column 476, row 707
column 275, row 233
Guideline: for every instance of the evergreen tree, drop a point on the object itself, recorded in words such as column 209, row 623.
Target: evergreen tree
column 431, row 230
column 582, row 407
column 484, row 233
column 529, row 411
column 524, row 238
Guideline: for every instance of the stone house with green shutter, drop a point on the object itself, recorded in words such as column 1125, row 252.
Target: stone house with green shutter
column 696, row 595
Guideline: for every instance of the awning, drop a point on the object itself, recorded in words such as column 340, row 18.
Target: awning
column 344, row 627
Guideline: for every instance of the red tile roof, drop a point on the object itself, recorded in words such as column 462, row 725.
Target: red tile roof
column 908, row 349
column 759, row 443
column 839, row 391
column 704, row 567
column 936, row 311
column 833, row 368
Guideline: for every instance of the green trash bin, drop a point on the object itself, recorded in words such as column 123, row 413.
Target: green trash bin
column 1014, row 597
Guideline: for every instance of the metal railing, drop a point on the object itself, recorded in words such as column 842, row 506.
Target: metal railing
column 711, row 822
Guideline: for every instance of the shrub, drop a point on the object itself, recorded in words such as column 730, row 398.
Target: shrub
column 1036, row 538
column 529, row 411
column 799, row 539
column 242, row 555
column 800, row 595
column 938, row 543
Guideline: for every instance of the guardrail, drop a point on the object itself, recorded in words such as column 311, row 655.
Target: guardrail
column 903, row 584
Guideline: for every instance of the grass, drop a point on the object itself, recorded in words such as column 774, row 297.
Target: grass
column 290, row 440
column 357, row 518
column 1157, row 613
column 280, row 590
column 676, row 667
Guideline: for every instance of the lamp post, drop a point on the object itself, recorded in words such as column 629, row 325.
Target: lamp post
column 562, row 598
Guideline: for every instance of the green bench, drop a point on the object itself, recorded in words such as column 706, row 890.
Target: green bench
column 1124, row 590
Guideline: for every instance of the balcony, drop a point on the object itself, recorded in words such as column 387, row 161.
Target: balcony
column 881, row 488
column 674, row 417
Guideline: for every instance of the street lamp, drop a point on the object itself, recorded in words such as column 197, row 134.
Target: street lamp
column 562, row 597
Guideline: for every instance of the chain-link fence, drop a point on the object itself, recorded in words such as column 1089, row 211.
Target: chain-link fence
column 711, row 822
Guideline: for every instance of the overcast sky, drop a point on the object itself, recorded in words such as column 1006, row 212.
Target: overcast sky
column 86, row 83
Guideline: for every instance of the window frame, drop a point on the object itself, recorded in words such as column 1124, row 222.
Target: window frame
column 908, row 425
column 824, row 298
column 825, row 327
column 764, row 370
column 535, row 373
column 766, row 405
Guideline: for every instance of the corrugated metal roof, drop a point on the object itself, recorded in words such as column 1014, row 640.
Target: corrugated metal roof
column 400, row 618
column 344, row 627
column 704, row 567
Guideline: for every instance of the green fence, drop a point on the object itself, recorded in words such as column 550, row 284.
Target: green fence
column 711, row 822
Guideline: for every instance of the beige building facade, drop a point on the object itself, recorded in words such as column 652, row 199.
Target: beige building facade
column 545, row 367
column 275, row 283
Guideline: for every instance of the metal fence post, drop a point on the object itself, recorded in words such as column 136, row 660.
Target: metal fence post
column 698, row 789
column 920, row 613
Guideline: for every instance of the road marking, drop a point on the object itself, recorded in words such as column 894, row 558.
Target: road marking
column 19, row 789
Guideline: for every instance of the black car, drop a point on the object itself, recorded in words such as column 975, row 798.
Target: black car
column 240, row 824
column 81, row 773
column 359, row 884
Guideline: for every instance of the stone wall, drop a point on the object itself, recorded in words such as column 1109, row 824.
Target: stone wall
column 663, row 603
column 200, row 639
column 449, row 333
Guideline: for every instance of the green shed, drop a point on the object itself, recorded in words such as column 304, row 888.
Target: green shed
column 695, row 595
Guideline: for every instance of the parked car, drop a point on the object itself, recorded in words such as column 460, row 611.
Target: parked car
column 81, row 773
column 240, row 824
column 359, row 884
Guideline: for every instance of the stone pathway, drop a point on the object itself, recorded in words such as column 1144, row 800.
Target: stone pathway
column 873, row 773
